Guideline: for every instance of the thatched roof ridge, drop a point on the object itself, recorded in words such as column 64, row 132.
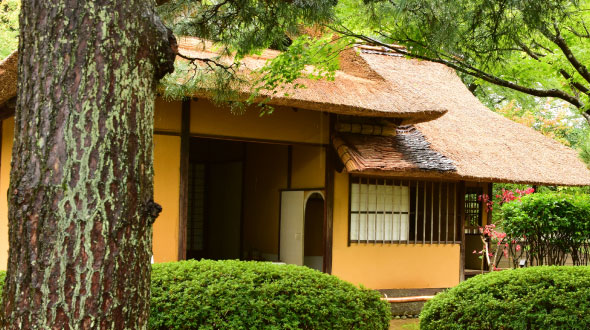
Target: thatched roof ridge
column 8, row 73
column 357, row 89
column 483, row 145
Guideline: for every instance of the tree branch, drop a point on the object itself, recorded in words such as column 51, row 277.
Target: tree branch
column 575, row 85
column 562, row 44
column 529, row 52
column 211, row 63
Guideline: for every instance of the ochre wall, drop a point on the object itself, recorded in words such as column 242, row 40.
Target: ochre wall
column 283, row 125
column 388, row 266
column 308, row 167
column 166, row 193
column 5, row 158
column 167, row 116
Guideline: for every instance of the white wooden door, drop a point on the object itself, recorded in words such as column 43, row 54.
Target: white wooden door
column 292, row 227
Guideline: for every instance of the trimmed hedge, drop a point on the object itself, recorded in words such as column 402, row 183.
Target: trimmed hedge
column 259, row 295
column 546, row 297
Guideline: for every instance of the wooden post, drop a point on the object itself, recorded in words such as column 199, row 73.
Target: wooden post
column 461, row 210
column 184, row 167
column 329, row 214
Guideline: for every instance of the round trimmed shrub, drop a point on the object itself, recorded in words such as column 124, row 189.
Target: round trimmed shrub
column 234, row 294
column 546, row 297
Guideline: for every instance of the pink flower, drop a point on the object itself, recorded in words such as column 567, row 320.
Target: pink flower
column 517, row 247
column 505, row 253
column 474, row 251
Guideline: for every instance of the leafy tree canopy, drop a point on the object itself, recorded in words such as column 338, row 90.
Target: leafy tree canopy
column 241, row 27
column 520, row 49
column 9, row 10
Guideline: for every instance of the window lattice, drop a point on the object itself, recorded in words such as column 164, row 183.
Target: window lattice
column 403, row 211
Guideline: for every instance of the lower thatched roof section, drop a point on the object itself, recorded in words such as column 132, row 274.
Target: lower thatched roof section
column 407, row 151
column 483, row 145
column 8, row 73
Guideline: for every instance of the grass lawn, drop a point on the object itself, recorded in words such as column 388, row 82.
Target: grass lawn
column 407, row 324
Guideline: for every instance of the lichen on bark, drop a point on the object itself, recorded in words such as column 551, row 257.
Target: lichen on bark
column 81, row 191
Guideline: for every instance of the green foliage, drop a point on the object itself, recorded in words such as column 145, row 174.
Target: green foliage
column 306, row 57
column 555, row 225
column 244, row 26
column 9, row 10
column 254, row 295
column 555, row 297
column 2, row 278
column 238, row 28
column 499, row 187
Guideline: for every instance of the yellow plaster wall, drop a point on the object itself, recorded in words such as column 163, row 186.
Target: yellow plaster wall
column 284, row 124
column 167, row 116
column 166, row 193
column 388, row 266
column 308, row 167
column 5, row 158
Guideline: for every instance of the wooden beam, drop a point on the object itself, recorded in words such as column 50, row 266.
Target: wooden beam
column 329, row 213
column 7, row 109
column 461, row 211
column 184, row 167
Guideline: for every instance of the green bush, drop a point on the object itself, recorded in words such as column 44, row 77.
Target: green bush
column 555, row 225
column 257, row 295
column 546, row 297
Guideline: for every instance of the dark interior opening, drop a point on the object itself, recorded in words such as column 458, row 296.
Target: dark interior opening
column 313, row 250
column 215, row 199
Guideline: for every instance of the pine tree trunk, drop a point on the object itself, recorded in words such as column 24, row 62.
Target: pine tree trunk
column 81, row 187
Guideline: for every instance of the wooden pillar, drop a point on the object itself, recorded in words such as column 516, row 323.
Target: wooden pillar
column 184, row 167
column 461, row 211
column 329, row 210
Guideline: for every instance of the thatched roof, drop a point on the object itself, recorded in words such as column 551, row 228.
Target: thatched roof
column 8, row 68
column 483, row 145
column 357, row 89
column 465, row 140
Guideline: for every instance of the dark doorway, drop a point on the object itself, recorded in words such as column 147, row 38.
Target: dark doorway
column 313, row 250
column 215, row 199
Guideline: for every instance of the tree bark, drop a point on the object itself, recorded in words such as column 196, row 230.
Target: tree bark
column 81, row 192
